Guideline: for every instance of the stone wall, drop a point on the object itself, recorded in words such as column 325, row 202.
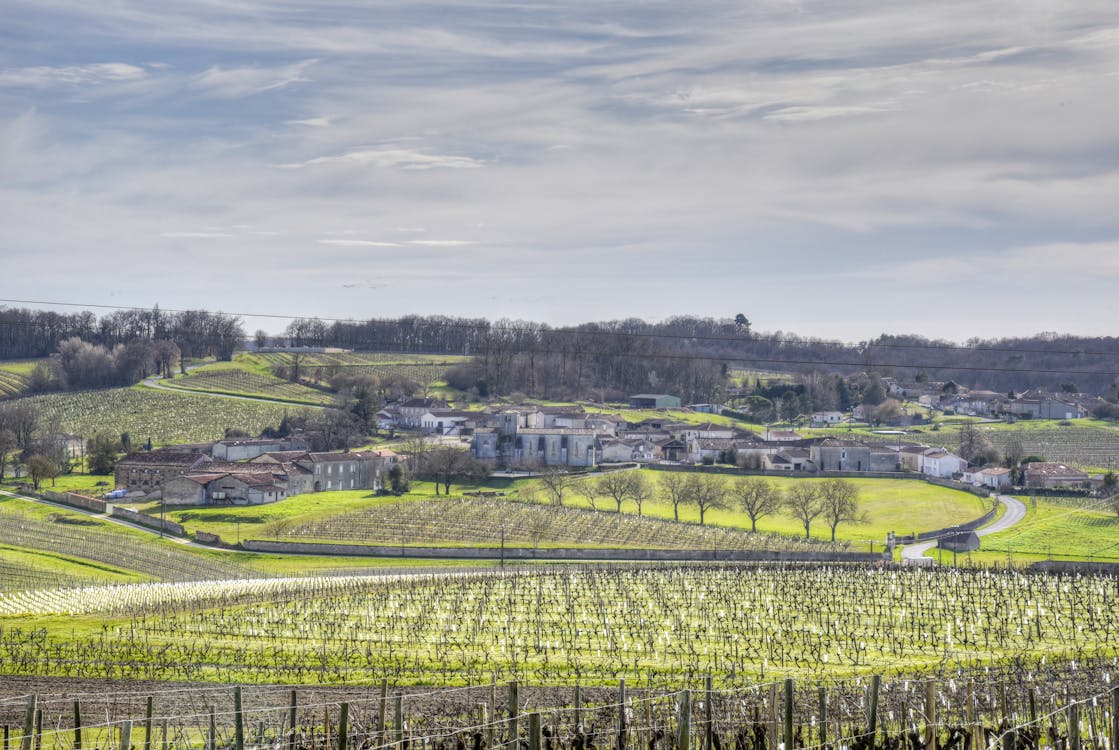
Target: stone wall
column 576, row 554
column 76, row 500
column 141, row 519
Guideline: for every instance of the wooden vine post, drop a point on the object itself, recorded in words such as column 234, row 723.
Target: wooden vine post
column 787, row 734
column 930, row 715
column 77, row 727
column 343, row 726
column 684, row 722
column 29, row 724
column 238, row 721
column 292, row 719
column 822, row 695
column 512, row 723
column 125, row 735
column 872, row 706
column 621, row 714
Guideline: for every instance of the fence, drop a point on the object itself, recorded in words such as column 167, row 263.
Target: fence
column 968, row 713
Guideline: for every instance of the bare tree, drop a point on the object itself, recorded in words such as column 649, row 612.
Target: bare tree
column 757, row 498
column 7, row 445
column 802, row 500
column 840, row 502
column 616, row 485
column 675, row 485
column 446, row 464
column 556, row 480
column 589, row 489
column 708, row 492
column 640, row 490
column 40, row 468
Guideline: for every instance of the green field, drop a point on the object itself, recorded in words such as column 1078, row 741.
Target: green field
column 163, row 416
column 1056, row 530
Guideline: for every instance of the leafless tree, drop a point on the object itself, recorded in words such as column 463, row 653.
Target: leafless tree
column 757, row 498
column 640, row 490
column 802, row 500
column 556, row 480
column 675, row 486
column 707, row 492
column 616, row 485
column 840, row 502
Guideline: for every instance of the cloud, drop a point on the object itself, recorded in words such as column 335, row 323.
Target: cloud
column 442, row 243
column 358, row 243
column 94, row 74
column 233, row 83
column 312, row 122
column 392, row 158
column 195, row 235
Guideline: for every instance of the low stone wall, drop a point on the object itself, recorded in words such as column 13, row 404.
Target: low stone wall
column 76, row 500
column 983, row 491
column 983, row 520
column 738, row 471
column 575, row 554
column 167, row 527
column 206, row 537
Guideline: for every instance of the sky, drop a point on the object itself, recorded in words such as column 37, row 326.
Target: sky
column 839, row 169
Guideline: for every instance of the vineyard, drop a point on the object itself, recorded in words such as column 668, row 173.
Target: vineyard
column 423, row 369
column 1077, row 445
column 656, row 626
column 12, row 383
column 242, row 383
column 1015, row 709
column 164, row 416
column 102, row 542
column 469, row 521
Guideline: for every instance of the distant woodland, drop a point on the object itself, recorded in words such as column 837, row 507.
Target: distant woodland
column 688, row 356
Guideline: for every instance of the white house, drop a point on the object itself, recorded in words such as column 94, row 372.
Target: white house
column 942, row 464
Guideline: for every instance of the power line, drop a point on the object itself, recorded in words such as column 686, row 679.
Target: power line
column 537, row 329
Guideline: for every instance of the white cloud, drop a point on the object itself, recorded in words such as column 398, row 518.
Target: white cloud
column 195, row 235
column 72, row 75
column 442, row 243
column 232, row 83
column 358, row 243
column 311, row 122
column 392, row 158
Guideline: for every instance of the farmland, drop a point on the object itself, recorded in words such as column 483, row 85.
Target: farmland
column 225, row 378
column 28, row 526
column 420, row 368
column 13, row 381
column 1058, row 530
column 164, row 416
column 655, row 626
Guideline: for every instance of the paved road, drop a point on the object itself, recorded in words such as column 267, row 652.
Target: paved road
column 1015, row 512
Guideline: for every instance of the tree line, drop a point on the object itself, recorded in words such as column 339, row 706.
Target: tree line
column 30, row 334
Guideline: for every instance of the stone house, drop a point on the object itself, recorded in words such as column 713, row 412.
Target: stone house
column 840, row 455
column 148, row 471
column 245, row 449
column 1050, row 474
column 228, row 488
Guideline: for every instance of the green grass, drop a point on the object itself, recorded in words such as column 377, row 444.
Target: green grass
column 164, row 416
column 313, row 565
column 1058, row 531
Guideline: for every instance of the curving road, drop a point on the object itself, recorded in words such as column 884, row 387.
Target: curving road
column 1015, row 512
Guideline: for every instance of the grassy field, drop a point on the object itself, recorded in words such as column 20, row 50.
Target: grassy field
column 163, row 416
column 1055, row 530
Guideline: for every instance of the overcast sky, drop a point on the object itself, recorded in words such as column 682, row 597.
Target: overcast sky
column 838, row 168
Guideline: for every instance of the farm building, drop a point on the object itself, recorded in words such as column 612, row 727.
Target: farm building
column 243, row 449
column 147, row 471
column 654, row 401
column 967, row 541
column 1049, row 474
